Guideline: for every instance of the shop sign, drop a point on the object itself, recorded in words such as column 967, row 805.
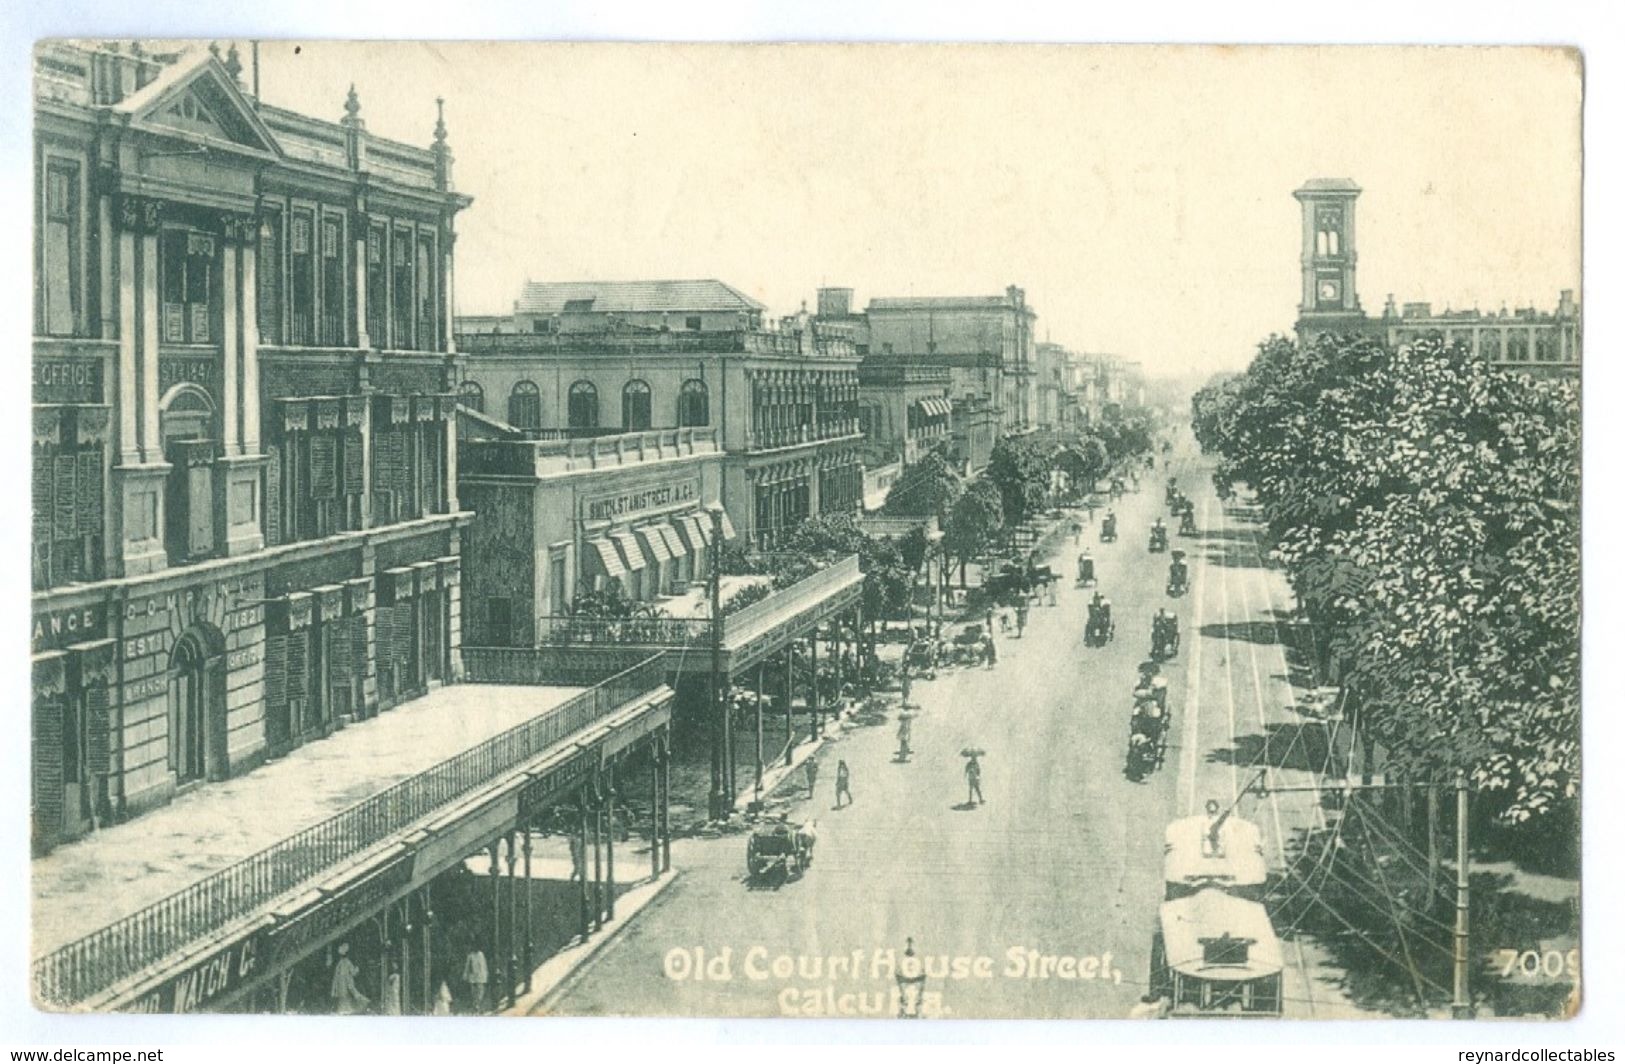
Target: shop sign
column 336, row 911
column 242, row 659
column 69, row 624
column 195, row 987
column 185, row 369
column 206, row 602
column 630, row 503
column 148, row 687
column 557, row 780
column 67, row 380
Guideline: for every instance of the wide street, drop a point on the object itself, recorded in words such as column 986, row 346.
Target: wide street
column 1063, row 861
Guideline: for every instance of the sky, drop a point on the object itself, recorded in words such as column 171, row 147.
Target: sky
column 1141, row 195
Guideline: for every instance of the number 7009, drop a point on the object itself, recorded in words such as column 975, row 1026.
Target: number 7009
column 1538, row 964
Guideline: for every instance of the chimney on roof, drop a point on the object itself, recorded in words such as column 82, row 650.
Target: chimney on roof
column 234, row 65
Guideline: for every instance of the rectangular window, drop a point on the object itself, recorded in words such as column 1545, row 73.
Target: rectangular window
column 377, row 290
column 401, row 291
column 302, row 261
column 268, row 280
column 499, row 621
column 61, row 290
column 334, row 284
column 428, row 338
column 186, row 279
column 693, row 323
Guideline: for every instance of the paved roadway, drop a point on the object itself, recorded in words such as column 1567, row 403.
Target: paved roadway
column 1047, row 894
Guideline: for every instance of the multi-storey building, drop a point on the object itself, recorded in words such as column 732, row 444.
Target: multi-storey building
column 783, row 400
column 245, row 528
column 987, row 342
column 1525, row 340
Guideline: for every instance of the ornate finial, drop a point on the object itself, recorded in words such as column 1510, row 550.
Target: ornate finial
column 440, row 120
column 234, row 63
column 352, row 103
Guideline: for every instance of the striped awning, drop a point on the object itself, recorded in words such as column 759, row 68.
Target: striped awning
column 674, row 542
column 935, row 406
column 631, row 554
column 727, row 525
column 654, row 545
column 696, row 528
column 608, row 559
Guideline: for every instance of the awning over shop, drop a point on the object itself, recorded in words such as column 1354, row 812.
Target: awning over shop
column 674, row 542
column 695, row 528
column 607, row 557
column 630, row 552
column 654, row 545
column 727, row 525
column 935, row 406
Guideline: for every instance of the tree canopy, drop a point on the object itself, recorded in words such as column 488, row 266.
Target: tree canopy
column 928, row 488
column 1426, row 506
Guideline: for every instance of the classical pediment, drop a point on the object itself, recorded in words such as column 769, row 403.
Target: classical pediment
column 198, row 101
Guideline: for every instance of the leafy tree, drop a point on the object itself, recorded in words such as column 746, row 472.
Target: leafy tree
column 1425, row 505
column 1020, row 471
column 974, row 523
column 928, row 488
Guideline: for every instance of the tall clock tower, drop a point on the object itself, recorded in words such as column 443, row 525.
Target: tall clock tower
column 1330, row 301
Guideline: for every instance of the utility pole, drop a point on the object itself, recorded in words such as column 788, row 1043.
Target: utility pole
column 721, row 799
column 1461, row 1007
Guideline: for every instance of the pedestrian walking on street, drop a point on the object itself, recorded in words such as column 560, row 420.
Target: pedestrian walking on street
column 973, row 781
column 843, row 785
column 905, row 733
column 812, row 776
column 348, row 1000
column 991, row 651
column 475, row 975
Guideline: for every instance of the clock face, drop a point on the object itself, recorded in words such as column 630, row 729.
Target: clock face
column 1329, row 291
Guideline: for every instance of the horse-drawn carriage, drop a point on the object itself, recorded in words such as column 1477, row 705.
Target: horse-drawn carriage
column 1187, row 518
column 968, row 646
column 1086, row 570
column 1164, row 636
column 922, row 657
column 1178, row 575
column 1147, row 739
column 1017, row 582
column 779, row 847
column 1108, row 528
column 1099, row 629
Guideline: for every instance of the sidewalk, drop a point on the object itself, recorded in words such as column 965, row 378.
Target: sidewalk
column 553, row 973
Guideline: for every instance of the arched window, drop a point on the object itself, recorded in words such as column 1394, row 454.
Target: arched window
column 1517, row 347
column 635, row 406
column 472, row 396
column 525, row 406
column 1489, row 345
column 583, row 411
column 693, row 405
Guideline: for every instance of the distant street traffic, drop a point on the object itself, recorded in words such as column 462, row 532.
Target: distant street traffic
column 1042, row 901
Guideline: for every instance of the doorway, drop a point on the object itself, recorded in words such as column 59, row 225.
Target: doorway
column 197, row 708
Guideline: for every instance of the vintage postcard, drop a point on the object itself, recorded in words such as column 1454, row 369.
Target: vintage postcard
column 805, row 530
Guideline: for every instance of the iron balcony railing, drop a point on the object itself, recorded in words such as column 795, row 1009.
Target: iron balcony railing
column 102, row 959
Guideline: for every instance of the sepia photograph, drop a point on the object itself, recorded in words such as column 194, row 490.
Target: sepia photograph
column 814, row 530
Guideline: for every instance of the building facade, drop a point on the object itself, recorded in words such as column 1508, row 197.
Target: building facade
column 554, row 518
column 986, row 341
column 903, row 409
column 245, row 523
column 1542, row 343
column 783, row 402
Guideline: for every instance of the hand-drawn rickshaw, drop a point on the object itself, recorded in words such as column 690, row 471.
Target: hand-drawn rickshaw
column 1159, row 537
column 1147, row 740
column 1100, row 628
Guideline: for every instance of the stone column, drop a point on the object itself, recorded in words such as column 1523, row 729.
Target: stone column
column 250, row 353
column 230, row 438
column 152, row 448
column 129, row 436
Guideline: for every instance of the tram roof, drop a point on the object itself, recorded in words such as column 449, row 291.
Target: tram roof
column 1212, row 935
column 1237, row 862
